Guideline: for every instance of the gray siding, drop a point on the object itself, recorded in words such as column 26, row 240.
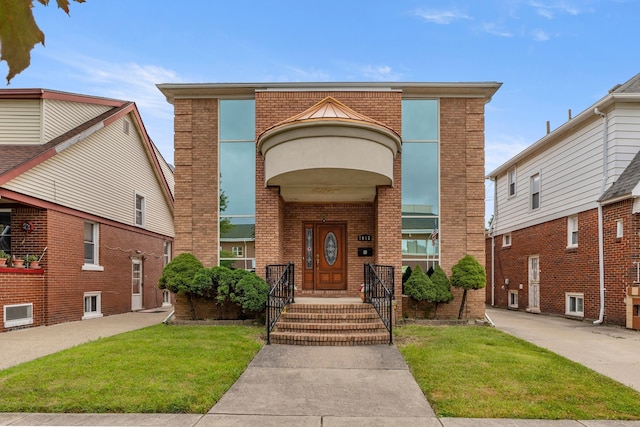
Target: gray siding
column 62, row 116
column 100, row 175
column 20, row 122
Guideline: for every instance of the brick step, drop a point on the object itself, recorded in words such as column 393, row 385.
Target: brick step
column 315, row 328
column 364, row 317
column 328, row 308
column 344, row 339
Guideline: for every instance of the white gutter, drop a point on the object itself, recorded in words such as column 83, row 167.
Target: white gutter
column 605, row 172
column 493, row 243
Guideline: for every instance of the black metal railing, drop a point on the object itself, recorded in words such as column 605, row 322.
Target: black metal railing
column 280, row 279
column 379, row 290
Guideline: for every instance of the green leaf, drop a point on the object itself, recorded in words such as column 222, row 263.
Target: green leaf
column 19, row 32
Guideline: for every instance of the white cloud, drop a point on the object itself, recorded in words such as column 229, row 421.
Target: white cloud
column 540, row 35
column 442, row 17
column 491, row 28
column 550, row 8
column 380, row 73
column 295, row 74
column 501, row 149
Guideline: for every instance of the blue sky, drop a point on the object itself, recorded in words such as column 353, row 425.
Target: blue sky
column 550, row 55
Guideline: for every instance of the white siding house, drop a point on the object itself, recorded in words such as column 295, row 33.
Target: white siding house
column 552, row 202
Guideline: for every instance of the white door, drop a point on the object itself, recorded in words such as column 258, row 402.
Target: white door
column 136, row 285
column 534, row 284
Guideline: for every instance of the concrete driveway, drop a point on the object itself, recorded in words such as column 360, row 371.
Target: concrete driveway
column 610, row 350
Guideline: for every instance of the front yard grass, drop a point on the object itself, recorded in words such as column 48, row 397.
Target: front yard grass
column 479, row 372
column 163, row 369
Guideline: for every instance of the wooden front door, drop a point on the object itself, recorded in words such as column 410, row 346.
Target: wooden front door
column 325, row 256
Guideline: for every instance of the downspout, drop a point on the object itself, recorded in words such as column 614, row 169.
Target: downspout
column 493, row 243
column 605, row 173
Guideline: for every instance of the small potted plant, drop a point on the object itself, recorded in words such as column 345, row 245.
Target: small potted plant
column 32, row 261
column 4, row 258
column 17, row 262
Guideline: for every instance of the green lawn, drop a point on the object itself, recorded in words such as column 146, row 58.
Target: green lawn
column 165, row 369
column 480, row 372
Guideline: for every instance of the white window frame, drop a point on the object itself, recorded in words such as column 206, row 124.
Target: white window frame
column 534, row 269
column 534, row 191
column 511, row 182
column 513, row 299
column 619, row 229
column 95, row 265
column 577, row 296
column 142, row 210
column 18, row 322
column 92, row 314
column 506, row 240
column 572, row 231
column 237, row 251
column 166, row 252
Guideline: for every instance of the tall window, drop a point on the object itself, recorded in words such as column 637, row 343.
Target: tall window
column 535, row 191
column 572, row 231
column 166, row 253
column 140, row 210
column 90, row 243
column 420, row 183
column 512, row 182
column 237, row 181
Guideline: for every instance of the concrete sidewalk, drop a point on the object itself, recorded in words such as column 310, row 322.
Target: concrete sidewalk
column 610, row 350
column 321, row 386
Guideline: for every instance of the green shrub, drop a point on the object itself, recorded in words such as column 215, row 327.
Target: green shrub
column 467, row 274
column 440, row 289
column 405, row 277
column 178, row 275
column 251, row 293
column 417, row 286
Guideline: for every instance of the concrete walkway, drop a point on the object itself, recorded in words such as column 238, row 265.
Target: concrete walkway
column 321, row 386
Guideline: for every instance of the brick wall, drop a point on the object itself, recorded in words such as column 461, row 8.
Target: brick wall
column 561, row 270
column 462, row 193
column 58, row 293
column 196, row 154
column 23, row 287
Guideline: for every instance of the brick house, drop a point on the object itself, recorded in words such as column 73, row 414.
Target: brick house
column 564, row 237
column 330, row 176
column 83, row 188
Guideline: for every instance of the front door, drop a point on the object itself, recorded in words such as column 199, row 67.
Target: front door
column 325, row 256
column 136, row 285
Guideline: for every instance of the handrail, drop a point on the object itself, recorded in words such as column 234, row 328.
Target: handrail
column 379, row 291
column 280, row 279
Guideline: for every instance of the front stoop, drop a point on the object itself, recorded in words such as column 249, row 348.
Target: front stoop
column 330, row 324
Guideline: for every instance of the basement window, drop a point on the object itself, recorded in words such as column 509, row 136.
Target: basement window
column 574, row 304
column 92, row 305
column 18, row 315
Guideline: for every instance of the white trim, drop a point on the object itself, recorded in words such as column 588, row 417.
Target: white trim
column 95, row 265
column 578, row 296
column 18, row 322
column 92, row 267
column 510, row 182
column 142, row 210
column 619, row 229
column 92, row 314
column 531, row 192
column 572, row 227
column 506, row 240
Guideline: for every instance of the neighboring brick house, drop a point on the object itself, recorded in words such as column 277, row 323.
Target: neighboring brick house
column 83, row 187
column 565, row 233
column 330, row 176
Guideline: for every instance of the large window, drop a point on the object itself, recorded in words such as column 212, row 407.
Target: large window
column 237, row 182
column 420, row 183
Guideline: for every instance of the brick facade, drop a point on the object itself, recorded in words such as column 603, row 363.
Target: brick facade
column 278, row 229
column 565, row 269
column 57, row 291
